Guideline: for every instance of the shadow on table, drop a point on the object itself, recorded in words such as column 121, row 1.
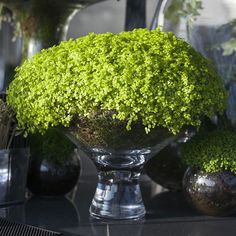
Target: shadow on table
column 169, row 205
column 51, row 213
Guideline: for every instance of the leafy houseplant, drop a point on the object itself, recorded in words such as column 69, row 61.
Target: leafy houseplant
column 170, row 14
column 210, row 182
column 121, row 106
column 183, row 8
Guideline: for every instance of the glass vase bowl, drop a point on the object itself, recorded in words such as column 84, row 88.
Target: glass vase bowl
column 119, row 156
column 210, row 193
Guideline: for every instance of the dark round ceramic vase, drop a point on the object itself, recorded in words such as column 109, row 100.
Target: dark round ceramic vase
column 49, row 178
column 211, row 193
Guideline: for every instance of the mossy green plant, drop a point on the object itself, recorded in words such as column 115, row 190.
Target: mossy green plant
column 211, row 152
column 53, row 146
column 142, row 75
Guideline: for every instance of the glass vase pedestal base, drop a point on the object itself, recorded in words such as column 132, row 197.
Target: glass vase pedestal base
column 119, row 156
column 118, row 196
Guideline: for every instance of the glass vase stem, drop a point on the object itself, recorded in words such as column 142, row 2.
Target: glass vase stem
column 118, row 195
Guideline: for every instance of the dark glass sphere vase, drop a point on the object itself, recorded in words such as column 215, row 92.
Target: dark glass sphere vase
column 47, row 178
column 211, row 193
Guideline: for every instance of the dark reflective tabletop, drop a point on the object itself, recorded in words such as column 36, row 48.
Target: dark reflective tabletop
column 167, row 213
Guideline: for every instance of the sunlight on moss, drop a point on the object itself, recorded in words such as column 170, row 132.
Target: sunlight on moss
column 212, row 152
column 144, row 75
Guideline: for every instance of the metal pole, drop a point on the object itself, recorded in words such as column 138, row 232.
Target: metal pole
column 135, row 14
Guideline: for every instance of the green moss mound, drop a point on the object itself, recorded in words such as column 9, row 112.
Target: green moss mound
column 147, row 76
column 212, row 152
column 53, row 146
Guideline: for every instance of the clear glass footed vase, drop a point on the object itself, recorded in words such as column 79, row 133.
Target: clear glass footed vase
column 119, row 156
column 118, row 192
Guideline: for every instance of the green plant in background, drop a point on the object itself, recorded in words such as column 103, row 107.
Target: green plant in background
column 188, row 9
column 53, row 146
column 143, row 76
column 211, row 152
column 40, row 23
column 229, row 45
column 7, row 125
